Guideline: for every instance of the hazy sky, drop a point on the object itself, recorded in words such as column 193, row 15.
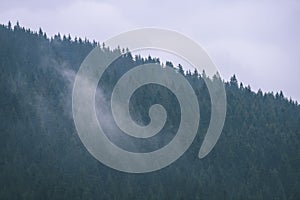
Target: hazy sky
column 259, row 41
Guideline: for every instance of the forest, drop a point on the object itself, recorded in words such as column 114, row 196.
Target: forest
column 41, row 155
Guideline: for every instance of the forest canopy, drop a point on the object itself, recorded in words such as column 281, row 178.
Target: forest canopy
column 42, row 157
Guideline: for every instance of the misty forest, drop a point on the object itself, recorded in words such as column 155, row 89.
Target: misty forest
column 42, row 157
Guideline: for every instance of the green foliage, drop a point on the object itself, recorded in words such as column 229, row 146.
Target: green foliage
column 41, row 156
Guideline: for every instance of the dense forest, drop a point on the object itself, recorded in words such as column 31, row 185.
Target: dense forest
column 42, row 157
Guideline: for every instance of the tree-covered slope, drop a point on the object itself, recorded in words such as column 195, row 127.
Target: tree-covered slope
column 42, row 157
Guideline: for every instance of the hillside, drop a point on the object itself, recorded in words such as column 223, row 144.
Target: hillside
column 42, row 157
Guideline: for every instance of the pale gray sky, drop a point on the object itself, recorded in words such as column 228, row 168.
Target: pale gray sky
column 259, row 41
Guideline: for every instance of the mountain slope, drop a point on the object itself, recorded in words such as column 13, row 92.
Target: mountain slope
column 42, row 157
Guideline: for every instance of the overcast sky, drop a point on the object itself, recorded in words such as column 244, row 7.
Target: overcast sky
column 259, row 41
